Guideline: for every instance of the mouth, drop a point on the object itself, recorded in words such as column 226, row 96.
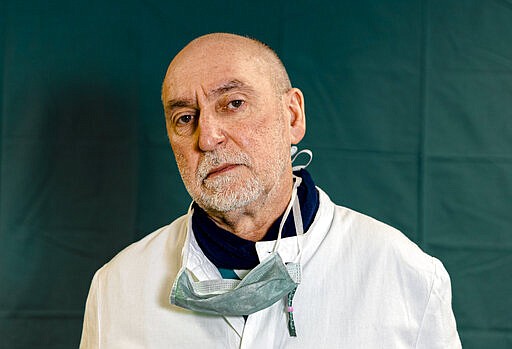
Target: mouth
column 219, row 170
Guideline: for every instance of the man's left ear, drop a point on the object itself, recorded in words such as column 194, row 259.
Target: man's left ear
column 295, row 104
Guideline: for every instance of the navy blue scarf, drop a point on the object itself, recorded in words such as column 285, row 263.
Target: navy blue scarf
column 228, row 251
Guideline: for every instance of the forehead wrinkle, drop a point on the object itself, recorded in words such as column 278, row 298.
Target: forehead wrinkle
column 234, row 84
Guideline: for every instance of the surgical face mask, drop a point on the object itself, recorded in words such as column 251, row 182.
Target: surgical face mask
column 264, row 285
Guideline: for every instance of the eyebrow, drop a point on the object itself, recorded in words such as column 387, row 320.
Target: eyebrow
column 225, row 87
column 179, row 103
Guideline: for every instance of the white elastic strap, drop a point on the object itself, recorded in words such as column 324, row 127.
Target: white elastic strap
column 299, row 228
column 296, row 154
column 297, row 218
column 287, row 211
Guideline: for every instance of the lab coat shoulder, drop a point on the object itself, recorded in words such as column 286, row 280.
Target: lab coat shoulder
column 156, row 252
column 376, row 244
column 384, row 281
column 161, row 242
column 438, row 327
column 131, row 284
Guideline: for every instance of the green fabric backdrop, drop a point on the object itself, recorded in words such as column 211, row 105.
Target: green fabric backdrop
column 409, row 107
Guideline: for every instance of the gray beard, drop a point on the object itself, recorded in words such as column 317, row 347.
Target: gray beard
column 226, row 193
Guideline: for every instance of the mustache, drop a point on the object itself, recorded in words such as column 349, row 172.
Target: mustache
column 214, row 159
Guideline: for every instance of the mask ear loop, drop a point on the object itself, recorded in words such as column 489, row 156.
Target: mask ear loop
column 297, row 219
column 296, row 154
column 297, row 216
column 299, row 229
column 287, row 212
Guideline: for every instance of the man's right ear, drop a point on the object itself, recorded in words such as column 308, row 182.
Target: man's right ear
column 295, row 104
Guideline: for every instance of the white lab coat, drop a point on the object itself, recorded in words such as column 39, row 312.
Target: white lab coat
column 364, row 285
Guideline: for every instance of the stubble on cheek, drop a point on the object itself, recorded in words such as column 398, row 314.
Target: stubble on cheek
column 187, row 176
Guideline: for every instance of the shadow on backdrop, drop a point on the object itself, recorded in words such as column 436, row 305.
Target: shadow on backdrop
column 73, row 188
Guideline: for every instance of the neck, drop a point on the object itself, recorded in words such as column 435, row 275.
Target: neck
column 254, row 220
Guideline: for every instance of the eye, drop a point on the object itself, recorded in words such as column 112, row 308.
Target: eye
column 237, row 103
column 184, row 119
column 184, row 124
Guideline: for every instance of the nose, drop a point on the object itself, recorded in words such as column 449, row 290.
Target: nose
column 210, row 133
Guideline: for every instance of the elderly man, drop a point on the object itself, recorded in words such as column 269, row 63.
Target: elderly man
column 263, row 258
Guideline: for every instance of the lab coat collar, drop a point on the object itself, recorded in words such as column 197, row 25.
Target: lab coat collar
column 202, row 268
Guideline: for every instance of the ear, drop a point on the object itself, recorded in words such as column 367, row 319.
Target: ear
column 295, row 105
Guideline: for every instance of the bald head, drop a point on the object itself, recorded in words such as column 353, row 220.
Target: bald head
column 219, row 47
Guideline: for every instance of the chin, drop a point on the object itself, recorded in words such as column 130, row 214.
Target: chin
column 229, row 198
